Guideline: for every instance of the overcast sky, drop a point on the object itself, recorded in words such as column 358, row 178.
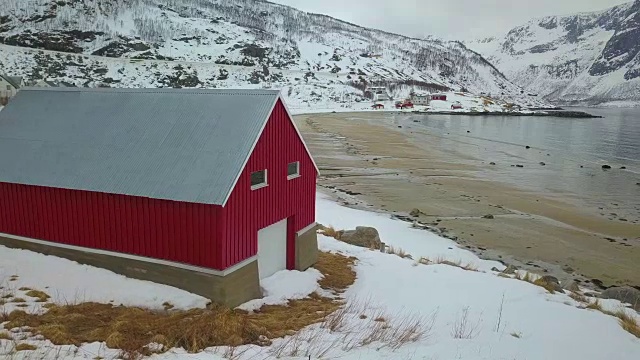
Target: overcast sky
column 452, row 19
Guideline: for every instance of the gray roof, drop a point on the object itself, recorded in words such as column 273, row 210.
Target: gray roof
column 15, row 81
column 175, row 144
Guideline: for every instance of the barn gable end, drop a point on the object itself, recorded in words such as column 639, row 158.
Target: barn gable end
column 248, row 210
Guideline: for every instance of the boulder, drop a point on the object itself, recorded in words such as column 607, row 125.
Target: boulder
column 492, row 163
column 606, row 167
column 495, row 269
column 510, row 270
column 489, row 216
column 362, row 236
column 415, row 212
column 542, row 163
column 571, row 285
column 625, row 294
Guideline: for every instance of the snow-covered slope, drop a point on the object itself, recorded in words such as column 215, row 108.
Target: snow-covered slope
column 589, row 57
column 231, row 43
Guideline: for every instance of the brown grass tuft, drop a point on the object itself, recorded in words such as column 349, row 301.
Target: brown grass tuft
column 18, row 300
column 5, row 336
column 596, row 305
column 24, row 288
column 545, row 284
column 337, row 270
column 24, row 347
column 578, row 297
column 41, row 295
column 398, row 252
column 628, row 322
column 131, row 329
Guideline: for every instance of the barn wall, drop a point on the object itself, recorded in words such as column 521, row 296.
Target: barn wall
column 168, row 230
column 248, row 210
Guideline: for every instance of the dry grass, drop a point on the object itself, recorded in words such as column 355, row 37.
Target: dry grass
column 337, row 270
column 596, row 305
column 526, row 277
column 628, row 322
column 443, row 261
column 462, row 328
column 330, row 231
column 131, row 328
column 5, row 336
column 24, row 347
column 40, row 295
column 398, row 252
column 18, row 300
column 578, row 297
column 545, row 284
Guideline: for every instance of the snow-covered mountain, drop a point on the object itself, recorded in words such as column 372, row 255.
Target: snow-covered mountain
column 231, row 43
column 588, row 57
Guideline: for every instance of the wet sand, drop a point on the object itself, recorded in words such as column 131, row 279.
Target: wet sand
column 365, row 162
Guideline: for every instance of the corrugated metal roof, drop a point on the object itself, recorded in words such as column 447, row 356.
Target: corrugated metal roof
column 15, row 81
column 175, row 144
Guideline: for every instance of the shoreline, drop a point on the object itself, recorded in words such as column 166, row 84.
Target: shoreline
column 369, row 165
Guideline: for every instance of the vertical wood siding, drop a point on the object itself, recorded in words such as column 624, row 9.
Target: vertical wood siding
column 248, row 211
column 168, row 230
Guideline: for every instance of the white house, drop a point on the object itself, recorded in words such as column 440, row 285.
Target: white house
column 9, row 86
column 421, row 99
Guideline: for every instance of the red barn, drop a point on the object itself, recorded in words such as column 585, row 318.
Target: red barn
column 442, row 97
column 205, row 190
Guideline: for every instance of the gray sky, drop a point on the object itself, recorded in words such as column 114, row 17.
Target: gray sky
column 451, row 19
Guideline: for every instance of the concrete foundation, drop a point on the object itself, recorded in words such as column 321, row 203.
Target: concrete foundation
column 232, row 289
column 307, row 249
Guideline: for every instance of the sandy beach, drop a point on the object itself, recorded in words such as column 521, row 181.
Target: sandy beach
column 370, row 163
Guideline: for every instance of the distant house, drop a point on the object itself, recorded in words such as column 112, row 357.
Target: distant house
column 379, row 93
column 421, row 99
column 377, row 106
column 441, row 97
column 210, row 191
column 9, row 86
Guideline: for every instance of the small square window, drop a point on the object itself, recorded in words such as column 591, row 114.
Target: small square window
column 258, row 179
column 293, row 170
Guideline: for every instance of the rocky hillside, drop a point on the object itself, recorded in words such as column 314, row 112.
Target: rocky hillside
column 231, row 43
column 588, row 58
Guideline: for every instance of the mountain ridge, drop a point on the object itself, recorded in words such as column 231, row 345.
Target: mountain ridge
column 586, row 58
column 267, row 40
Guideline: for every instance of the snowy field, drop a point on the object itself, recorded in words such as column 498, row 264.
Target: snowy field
column 458, row 314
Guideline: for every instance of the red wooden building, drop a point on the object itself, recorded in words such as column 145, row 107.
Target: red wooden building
column 207, row 190
column 442, row 97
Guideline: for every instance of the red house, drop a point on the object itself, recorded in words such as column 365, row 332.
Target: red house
column 206, row 190
column 377, row 106
column 442, row 97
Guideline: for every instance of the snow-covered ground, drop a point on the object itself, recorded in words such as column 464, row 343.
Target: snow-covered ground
column 461, row 314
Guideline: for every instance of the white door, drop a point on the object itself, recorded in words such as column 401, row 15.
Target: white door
column 272, row 249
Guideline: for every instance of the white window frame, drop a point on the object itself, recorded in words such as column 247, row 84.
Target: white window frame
column 297, row 174
column 261, row 185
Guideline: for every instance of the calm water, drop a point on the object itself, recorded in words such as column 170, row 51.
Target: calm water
column 564, row 145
